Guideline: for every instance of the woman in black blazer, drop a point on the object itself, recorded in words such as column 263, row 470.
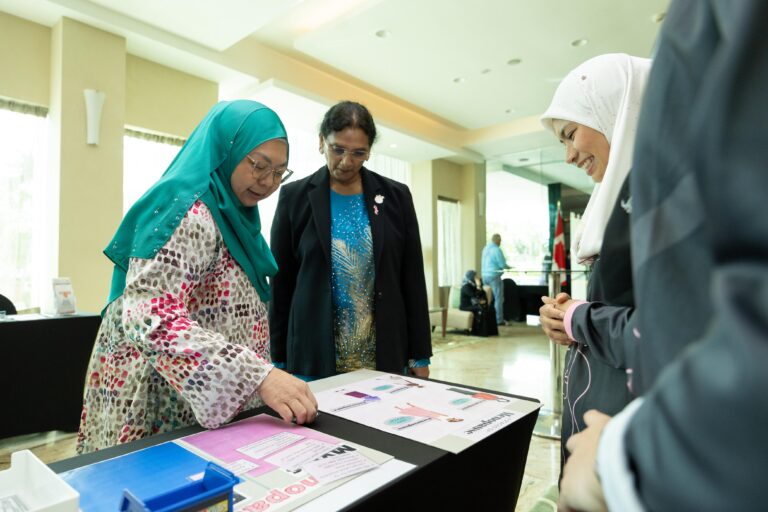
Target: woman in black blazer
column 350, row 291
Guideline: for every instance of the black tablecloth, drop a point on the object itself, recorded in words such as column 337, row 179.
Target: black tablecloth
column 486, row 476
column 44, row 365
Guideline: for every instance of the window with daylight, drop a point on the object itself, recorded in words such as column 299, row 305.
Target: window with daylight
column 449, row 270
column 518, row 209
column 25, row 205
column 393, row 168
column 145, row 158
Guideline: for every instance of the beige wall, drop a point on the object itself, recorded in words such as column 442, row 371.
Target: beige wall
column 443, row 179
column 51, row 67
column 165, row 100
column 157, row 98
column 462, row 183
column 449, row 184
column 424, row 200
column 473, row 215
column 91, row 177
column 25, row 60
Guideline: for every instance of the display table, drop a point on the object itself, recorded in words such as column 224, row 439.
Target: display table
column 42, row 379
column 485, row 476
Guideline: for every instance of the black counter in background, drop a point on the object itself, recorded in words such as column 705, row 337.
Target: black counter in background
column 44, row 362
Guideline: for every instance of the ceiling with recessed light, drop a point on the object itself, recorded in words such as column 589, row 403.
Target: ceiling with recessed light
column 437, row 50
column 479, row 71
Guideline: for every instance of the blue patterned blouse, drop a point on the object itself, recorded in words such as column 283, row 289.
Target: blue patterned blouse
column 352, row 283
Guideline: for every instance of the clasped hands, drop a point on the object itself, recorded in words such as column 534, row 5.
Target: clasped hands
column 552, row 314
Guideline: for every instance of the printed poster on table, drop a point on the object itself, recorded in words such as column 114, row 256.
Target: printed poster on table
column 282, row 465
column 447, row 416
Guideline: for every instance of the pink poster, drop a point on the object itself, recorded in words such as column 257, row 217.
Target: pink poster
column 253, row 440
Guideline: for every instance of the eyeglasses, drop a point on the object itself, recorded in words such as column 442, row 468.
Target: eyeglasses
column 260, row 169
column 355, row 154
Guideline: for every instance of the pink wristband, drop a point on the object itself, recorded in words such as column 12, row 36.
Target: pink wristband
column 569, row 316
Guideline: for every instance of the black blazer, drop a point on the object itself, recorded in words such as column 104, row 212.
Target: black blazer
column 301, row 309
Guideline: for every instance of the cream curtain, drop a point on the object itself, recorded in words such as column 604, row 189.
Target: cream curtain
column 449, row 269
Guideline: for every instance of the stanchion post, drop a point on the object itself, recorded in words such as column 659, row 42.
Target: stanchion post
column 549, row 422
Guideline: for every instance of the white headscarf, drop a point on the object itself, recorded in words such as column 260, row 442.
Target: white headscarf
column 605, row 94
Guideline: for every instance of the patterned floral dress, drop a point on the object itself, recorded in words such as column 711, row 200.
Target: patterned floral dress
column 187, row 342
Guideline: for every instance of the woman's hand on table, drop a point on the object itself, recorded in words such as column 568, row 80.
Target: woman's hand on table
column 289, row 397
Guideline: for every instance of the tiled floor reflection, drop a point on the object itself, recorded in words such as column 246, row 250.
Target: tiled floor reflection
column 517, row 362
column 49, row 447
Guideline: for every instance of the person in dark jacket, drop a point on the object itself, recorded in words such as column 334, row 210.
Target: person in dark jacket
column 695, row 440
column 594, row 113
column 350, row 291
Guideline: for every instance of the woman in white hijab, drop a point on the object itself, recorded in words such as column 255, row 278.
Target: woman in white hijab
column 594, row 113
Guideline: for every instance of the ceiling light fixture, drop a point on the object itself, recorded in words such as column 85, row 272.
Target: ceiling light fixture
column 579, row 42
column 383, row 33
column 658, row 17
column 514, row 62
column 458, row 80
column 522, row 160
column 393, row 146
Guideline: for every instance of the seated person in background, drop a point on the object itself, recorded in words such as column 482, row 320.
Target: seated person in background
column 7, row 306
column 474, row 299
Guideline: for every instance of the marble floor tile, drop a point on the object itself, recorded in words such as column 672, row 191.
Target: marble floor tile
column 48, row 447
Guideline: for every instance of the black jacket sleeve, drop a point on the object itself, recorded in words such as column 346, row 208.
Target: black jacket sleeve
column 602, row 324
column 284, row 282
column 602, row 327
column 698, row 440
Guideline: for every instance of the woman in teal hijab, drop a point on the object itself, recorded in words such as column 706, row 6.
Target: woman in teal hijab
column 184, row 337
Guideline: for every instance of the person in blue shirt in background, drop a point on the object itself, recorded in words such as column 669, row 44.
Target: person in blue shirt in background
column 493, row 265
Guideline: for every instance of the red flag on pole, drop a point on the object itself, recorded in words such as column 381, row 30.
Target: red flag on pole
column 558, row 249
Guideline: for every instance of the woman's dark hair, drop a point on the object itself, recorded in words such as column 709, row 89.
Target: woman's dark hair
column 348, row 114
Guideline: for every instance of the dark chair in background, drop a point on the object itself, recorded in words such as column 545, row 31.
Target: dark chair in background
column 522, row 300
column 514, row 308
column 530, row 297
column 7, row 306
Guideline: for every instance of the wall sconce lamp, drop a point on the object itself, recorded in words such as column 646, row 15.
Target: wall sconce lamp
column 94, row 101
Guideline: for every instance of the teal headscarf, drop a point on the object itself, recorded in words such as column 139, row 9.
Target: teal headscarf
column 202, row 170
